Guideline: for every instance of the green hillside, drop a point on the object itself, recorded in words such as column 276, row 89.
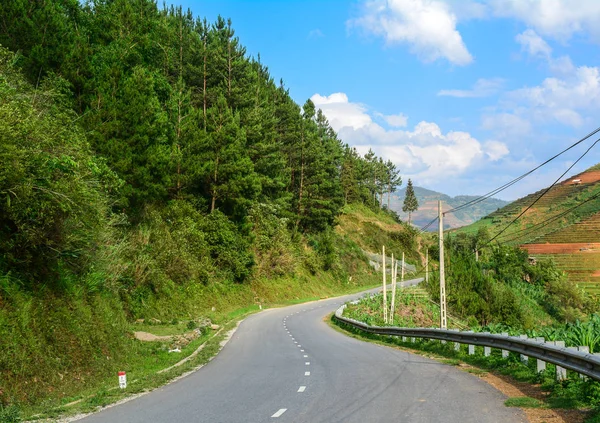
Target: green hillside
column 549, row 214
column 564, row 225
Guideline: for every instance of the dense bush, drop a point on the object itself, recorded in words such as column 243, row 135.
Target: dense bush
column 504, row 288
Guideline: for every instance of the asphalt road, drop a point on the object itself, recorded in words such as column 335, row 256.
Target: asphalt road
column 288, row 365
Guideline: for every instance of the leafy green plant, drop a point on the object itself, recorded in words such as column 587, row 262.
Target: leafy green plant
column 9, row 413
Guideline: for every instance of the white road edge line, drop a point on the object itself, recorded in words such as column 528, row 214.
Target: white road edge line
column 301, row 389
column 279, row 412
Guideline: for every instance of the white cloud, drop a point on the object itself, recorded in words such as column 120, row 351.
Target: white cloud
column 482, row 88
column 559, row 19
column 506, row 125
column 427, row 26
column 495, row 150
column 537, row 47
column 425, row 153
column 569, row 97
column 562, row 100
column 340, row 112
column 399, row 120
column 533, row 44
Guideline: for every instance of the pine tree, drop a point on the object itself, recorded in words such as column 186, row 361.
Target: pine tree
column 410, row 200
column 393, row 180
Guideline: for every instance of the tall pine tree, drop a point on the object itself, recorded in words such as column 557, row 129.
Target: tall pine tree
column 410, row 200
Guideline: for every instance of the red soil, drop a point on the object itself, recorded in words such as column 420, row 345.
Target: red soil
column 586, row 178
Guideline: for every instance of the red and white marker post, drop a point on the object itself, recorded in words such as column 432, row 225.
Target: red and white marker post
column 122, row 380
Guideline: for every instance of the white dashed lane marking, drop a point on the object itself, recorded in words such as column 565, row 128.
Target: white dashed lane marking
column 279, row 412
column 305, row 356
column 306, row 373
column 307, row 363
column 302, row 389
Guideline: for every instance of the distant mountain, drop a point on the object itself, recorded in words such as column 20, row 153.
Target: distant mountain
column 428, row 208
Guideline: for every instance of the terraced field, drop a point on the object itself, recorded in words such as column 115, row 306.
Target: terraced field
column 587, row 230
column 582, row 268
column 564, row 224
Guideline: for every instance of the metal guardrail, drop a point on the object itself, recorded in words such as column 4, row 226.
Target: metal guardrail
column 581, row 362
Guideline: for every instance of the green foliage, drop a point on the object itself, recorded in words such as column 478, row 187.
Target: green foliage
column 54, row 203
column 272, row 245
column 410, row 200
column 10, row 413
column 504, row 288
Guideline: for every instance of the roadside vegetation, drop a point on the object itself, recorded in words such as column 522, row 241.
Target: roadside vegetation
column 154, row 176
column 500, row 292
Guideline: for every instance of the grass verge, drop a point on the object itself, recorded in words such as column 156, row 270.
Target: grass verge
column 147, row 359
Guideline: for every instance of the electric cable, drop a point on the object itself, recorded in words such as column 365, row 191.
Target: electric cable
column 514, row 181
column 543, row 193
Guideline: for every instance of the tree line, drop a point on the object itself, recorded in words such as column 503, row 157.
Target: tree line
column 131, row 108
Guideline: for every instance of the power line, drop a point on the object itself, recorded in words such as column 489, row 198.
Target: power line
column 550, row 220
column 424, row 228
column 545, row 192
column 514, row 181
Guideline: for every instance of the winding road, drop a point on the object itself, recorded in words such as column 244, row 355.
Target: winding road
column 288, row 365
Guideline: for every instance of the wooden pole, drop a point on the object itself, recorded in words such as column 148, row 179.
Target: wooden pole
column 393, row 291
column 385, row 317
column 443, row 323
column 427, row 266
column 402, row 271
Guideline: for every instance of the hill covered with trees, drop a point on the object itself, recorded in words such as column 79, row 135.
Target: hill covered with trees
column 151, row 169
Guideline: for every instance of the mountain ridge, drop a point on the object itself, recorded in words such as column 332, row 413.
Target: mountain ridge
column 428, row 207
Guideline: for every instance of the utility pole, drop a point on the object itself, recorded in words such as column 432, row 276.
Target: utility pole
column 393, row 290
column 443, row 323
column 427, row 266
column 402, row 277
column 385, row 317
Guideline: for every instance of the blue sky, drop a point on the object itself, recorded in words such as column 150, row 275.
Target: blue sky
column 463, row 95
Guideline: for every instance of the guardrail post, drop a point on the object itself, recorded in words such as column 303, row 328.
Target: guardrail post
column 504, row 352
column 585, row 349
column 524, row 358
column 561, row 372
column 413, row 340
column 457, row 346
column 541, row 364
column 487, row 351
column 471, row 349
column 404, row 339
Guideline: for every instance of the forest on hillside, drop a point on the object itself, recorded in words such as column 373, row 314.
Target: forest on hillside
column 120, row 114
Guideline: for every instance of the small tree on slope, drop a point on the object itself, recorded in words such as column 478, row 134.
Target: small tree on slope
column 410, row 200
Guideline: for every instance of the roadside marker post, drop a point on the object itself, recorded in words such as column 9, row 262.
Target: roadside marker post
column 122, row 380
